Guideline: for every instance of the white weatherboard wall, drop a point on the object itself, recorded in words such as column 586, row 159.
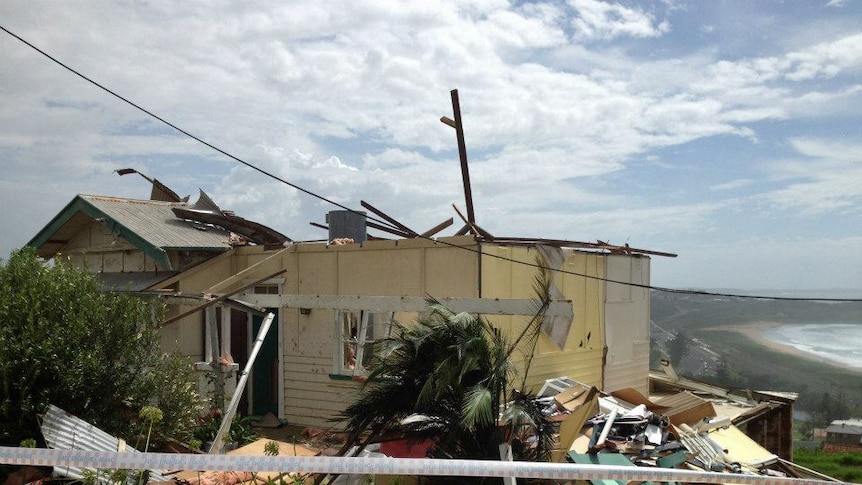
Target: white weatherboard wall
column 627, row 324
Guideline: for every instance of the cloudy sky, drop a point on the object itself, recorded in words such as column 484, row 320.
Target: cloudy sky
column 728, row 132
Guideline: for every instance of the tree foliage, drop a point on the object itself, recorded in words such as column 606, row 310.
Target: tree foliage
column 678, row 346
column 445, row 374
column 94, row 354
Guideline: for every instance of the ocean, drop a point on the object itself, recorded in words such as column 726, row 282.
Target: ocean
column 838, row 342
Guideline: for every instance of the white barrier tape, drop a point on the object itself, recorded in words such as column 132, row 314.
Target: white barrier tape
column 376, row 466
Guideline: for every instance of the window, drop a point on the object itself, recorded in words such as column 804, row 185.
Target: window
column 354, row 331
column 265, row 290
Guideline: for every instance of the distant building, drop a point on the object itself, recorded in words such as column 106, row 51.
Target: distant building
column 844, row 435
column 819, row 434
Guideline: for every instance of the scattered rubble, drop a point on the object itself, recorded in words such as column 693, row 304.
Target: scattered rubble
column 621, row 428
column 678, row 431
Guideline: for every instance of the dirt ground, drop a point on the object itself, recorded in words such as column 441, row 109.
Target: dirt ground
column 326, row 442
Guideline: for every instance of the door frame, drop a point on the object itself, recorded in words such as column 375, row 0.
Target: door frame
column 278, row 323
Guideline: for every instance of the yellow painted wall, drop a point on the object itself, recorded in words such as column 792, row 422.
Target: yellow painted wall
column 376, row 268
column 187, row 334
column 412, row 268
column 98, row 250
column 581, row 358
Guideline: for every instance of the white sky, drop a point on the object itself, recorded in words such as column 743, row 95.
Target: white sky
column 725, row 131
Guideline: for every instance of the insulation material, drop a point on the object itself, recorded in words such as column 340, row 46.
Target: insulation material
column 740, row 448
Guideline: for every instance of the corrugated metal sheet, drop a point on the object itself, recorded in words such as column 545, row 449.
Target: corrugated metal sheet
column 680, row 401
column 65, row 431
column 685, row 407
column 156, row 223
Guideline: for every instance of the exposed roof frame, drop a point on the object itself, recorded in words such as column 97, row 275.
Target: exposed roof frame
column 220, row 298
column 387, row 218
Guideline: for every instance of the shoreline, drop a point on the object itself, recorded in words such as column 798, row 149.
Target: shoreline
column 755, row 332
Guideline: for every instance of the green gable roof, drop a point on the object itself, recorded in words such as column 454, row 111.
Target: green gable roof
column 149, row 225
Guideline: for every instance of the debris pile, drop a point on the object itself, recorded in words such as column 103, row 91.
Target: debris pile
column 625, row 428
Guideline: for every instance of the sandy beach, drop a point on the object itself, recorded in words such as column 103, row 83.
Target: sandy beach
column 755, row 332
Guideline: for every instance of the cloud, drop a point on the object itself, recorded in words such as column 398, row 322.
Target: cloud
column 828, row 179
column 825, row 60
column 600, row 20
column 732, row 185
column 763, row 263
column 561, row 103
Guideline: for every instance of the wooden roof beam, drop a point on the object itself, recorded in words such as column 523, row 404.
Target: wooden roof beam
column 437, row 228
column 388, row 219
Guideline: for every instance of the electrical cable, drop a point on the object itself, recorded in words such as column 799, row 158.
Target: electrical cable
column 168, row 123
column 386, row 223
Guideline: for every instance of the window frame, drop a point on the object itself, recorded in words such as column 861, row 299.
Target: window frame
column 364, row 319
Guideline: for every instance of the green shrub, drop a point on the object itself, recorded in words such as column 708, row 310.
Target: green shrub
column 850, row 459
column 207, row 426
column 94, row 354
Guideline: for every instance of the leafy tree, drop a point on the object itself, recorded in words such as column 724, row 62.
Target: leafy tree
column 656, row 354
column 825, row 413
column 94, row 354
column 678, row 347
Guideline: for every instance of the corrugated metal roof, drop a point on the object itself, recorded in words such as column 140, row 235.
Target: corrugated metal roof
column 851, row 427
column 64, row 431
column 154, row 222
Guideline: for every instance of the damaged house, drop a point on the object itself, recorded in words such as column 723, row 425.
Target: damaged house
column 330, row 298
column 219, row 274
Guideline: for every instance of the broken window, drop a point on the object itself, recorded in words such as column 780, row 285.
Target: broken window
column 354, row 332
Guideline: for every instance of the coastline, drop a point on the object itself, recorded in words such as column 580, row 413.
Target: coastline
column 755, row 332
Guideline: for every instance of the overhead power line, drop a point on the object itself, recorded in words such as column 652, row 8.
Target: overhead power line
column 168, row 123
column 329, row 201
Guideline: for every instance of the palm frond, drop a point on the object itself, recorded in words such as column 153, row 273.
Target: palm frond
column 525, row 417
column 477, row 408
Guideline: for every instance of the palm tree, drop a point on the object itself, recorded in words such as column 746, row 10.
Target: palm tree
column 445, row 378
